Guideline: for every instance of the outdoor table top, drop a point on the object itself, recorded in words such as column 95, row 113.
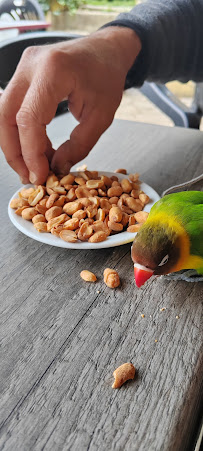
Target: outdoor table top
column 62, row 338
column 24, row 25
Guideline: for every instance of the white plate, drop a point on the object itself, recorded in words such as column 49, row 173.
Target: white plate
column 28, row 229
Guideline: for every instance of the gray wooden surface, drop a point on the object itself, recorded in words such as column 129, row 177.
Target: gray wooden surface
column 61, row 339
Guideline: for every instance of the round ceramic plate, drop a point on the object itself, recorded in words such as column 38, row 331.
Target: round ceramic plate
column 28, row 229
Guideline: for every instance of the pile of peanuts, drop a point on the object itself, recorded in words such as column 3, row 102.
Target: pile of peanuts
column 85, row 207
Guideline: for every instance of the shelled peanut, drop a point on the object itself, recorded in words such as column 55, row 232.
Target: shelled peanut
column 84, row 207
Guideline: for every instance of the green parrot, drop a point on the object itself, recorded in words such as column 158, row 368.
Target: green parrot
column 172, row 237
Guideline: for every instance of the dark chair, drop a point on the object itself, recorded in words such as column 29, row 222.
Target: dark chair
column 20, row 10
column 167, row 102
column 12, row 49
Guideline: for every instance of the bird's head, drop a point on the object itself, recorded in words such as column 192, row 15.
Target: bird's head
column 155, row 251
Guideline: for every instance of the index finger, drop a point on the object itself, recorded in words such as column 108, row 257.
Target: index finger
column 36, row 111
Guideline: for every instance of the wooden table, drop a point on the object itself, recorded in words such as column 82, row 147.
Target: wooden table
column 61, row 338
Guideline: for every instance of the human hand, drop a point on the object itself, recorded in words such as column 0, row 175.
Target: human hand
column 90, row 72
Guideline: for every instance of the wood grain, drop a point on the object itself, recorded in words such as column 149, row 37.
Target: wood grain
column 60, row 340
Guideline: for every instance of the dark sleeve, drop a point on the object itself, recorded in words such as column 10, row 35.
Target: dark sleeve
column 171, row 32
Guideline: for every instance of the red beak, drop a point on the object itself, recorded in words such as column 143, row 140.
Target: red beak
column 142, row 274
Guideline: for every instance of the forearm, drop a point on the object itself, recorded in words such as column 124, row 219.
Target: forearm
column 171, row 34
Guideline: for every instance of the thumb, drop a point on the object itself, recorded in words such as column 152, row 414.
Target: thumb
column 82, row 140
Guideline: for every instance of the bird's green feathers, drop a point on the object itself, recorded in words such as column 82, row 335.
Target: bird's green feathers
column 187, row 207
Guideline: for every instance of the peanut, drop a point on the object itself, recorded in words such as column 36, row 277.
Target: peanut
column 82, row 192
column 92, row 184
column 144, row 198
column 79, row 214
column 79, row 180
column 26, row 192
column 141, row 216
column 101, row 226
column 36, row 196
column 17, row 203
column 115, row 191
column 57, row 220
column 71, row 195
column 97, row 237
column 115, row 226
column 68, row 235
column 135, row 193
column 101, row 192
column 72, row 207
column 52, row 181
column 121, row 171
column 126, row 185
column 20, row 210
column 115, row 214
column 57, row 229
column 134, row 228
column 41, row 209
column 100, row 216
column 113, row 200
column 125, row 219
column 132, row 220
column 134, row 204
column 123, row 373
column 40, row 226
column 94, row 192
column 85, row 231
column 106, row 181
column 60, row 202
column 111, row 278
column 71, row 224
column 38, row 218
column 59, row 190
column 51, row 199
column 88, row 276
column 28, row 213
column 134, row 177
column 53, row 212
column 67, row 180
column 91, row 211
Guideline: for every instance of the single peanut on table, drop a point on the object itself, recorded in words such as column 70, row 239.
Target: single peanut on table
column 123, row 373
column 111, row 278
column 88, row 276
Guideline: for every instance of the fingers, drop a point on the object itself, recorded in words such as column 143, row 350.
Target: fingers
column 36, row 111
column 82, row 140
column 9, row 138
column 27, row 105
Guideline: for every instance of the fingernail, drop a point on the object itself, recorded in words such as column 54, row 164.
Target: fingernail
column 24, row 180
column 62, row 170
column 32, row 177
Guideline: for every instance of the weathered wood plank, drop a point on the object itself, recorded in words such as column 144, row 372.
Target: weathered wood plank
column 61, row 340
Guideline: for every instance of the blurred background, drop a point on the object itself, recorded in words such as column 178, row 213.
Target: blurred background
column 84, row 17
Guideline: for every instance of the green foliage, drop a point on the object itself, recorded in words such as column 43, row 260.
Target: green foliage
column 57, row 6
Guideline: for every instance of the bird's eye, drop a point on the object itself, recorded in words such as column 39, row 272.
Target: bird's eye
column 164, row 260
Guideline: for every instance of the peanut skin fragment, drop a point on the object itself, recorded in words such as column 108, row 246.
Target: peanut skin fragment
column 123, row 373
column 88, row 276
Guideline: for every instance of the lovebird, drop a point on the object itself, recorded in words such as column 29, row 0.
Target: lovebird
column 172, row 237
